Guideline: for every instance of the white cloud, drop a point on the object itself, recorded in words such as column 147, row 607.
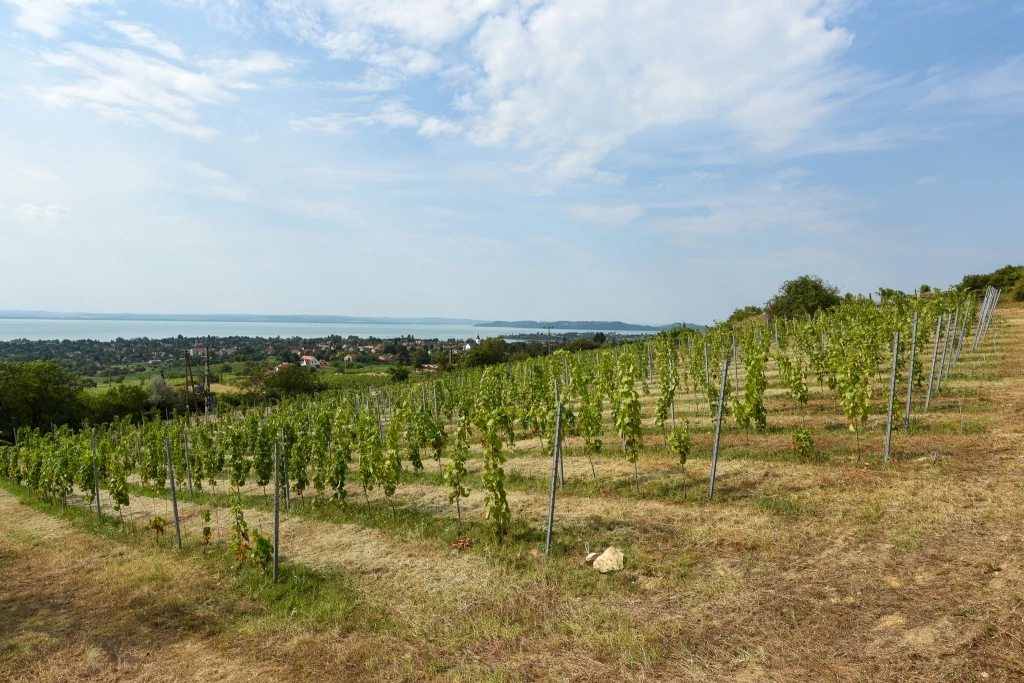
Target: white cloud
column 433, row 126
column 607, row 215
column 229, row 15
column 390, row 114
column 576, row 79
column 372, row 81
column 927, row 180
column 32, row 212
column 46, row 17
column 234, row 71
column 127, row 87
column 572, row 80
column 143, row 37
column 1001, row 87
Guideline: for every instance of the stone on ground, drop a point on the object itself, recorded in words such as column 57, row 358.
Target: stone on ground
column 609, row 561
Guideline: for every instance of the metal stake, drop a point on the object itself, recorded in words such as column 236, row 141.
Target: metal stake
column 174, row 493
column 910, row 378
column 935, row 355
column 554, row 476
column 718, row 431
column 892, row 394
column 277, row 505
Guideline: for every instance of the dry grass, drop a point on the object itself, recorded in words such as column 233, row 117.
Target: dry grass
column 839, row 570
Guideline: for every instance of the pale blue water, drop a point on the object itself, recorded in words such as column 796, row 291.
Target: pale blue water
column 108, row 330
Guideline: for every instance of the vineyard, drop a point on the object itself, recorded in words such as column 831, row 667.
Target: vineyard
column 715, row 460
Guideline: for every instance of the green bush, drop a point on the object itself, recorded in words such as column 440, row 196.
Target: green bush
column 804, row 296
column 1018, row 291
column 803, row 445
column 1003, row 278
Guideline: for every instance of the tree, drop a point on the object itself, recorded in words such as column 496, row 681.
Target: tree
column 163, row 396
column 402, row 356
column 803, row 296
column 37, row 394
column 599, row 338
column 291, row 381
column 1004, row 278
column 490, row 351
column 398, row 373
column 421, row 357
column 119, row 401
column 745, row 313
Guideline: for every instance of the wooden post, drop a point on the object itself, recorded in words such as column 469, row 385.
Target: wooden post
column 718, row 431
column 96, row 476
column 892, row 394
column 910, row 374
column 188, row 464
column 277, row 505
column 174, row 493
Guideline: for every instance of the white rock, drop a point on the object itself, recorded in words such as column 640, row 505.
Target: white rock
column 609, row 561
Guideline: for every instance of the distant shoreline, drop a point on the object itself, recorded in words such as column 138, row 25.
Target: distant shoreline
column 606, row 325
column 233, row 318
column 577, row 325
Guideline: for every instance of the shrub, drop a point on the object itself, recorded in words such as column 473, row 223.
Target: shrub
column 803, row 445
column 1018, row 291
column 805, row 295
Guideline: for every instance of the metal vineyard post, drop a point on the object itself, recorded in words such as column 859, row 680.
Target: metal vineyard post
column 718, row 429
column 174, row 493
column 555, row 457
column 935, row 355
column 910, row 374
column 277, row 504
column 892, row 394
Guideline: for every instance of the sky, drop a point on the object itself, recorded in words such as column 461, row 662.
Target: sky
column 651, row 161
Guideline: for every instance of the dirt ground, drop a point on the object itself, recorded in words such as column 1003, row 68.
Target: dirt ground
column 845, row 569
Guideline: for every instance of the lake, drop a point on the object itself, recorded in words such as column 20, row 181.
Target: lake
column 108, row 330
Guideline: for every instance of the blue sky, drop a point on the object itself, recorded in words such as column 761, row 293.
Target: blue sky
column 649, row 161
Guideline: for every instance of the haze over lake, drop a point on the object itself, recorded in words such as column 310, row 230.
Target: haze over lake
column 107, row 330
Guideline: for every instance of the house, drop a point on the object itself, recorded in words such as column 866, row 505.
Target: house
column 350, row 358
column 198, row 350
column 387, row 358
column 309, row 362
column 283, row 365
column 270, row 350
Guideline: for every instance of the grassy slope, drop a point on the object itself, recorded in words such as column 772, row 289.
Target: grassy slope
column 843, row 570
